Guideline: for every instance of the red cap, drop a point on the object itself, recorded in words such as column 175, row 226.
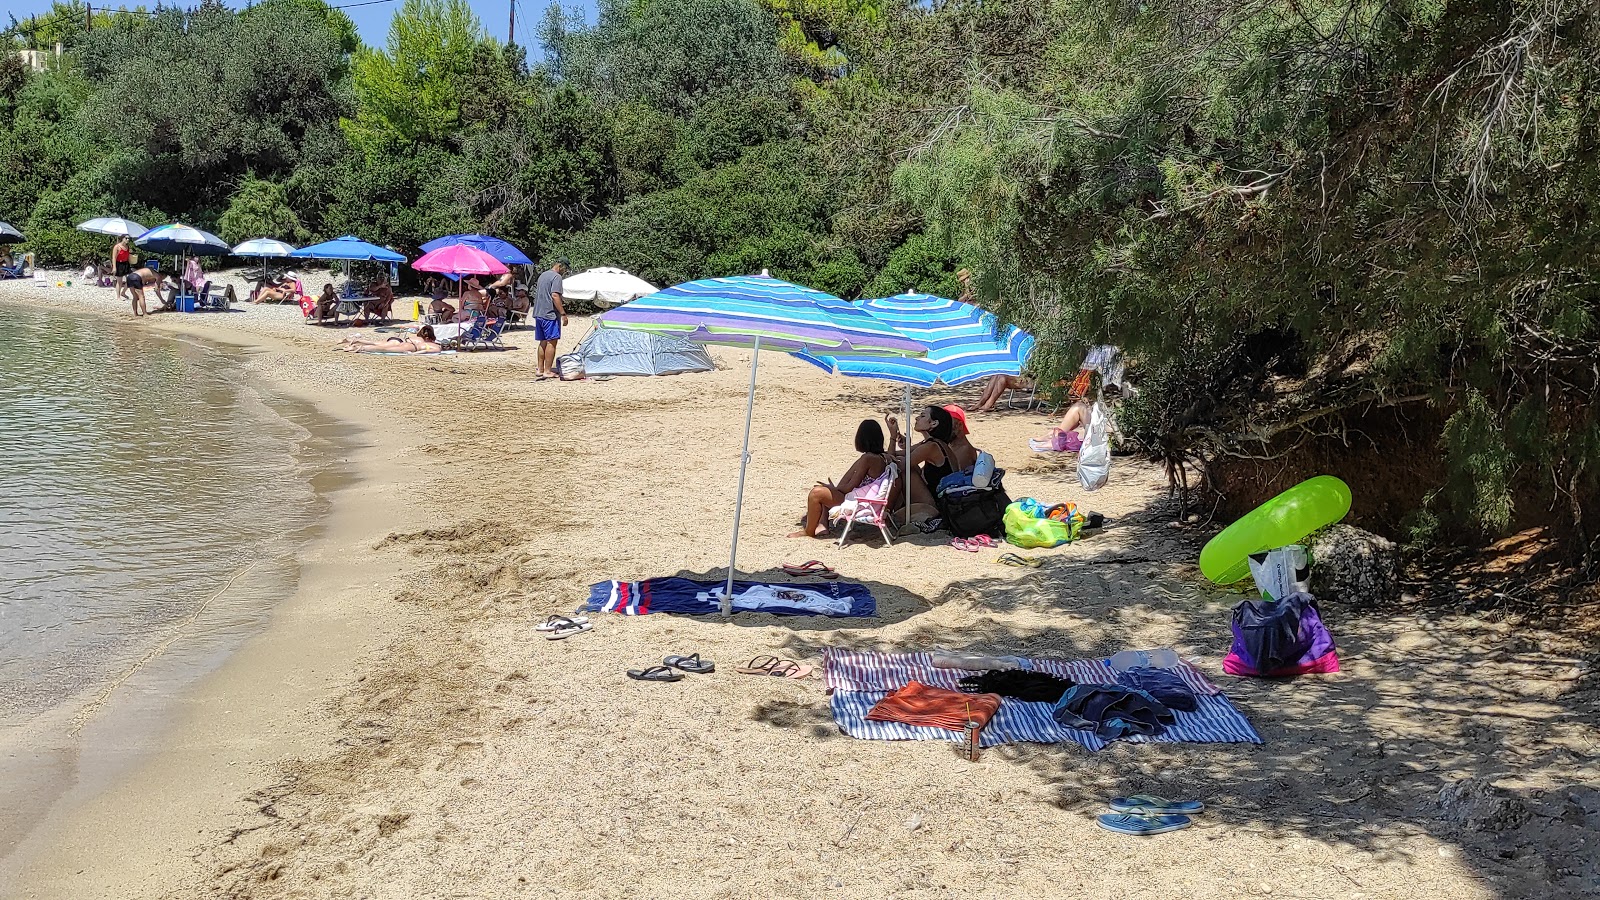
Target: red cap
column 960, row 415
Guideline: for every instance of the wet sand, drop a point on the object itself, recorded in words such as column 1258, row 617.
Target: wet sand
column 401, row 731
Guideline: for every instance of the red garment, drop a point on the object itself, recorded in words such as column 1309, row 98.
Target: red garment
column 960, row 415
column 919, row 704
column 122, row 255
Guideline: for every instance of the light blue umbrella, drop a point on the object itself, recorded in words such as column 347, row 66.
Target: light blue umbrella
column 495, row 247
column 116, row 226
column 964, row 343
column 757, row 311
column 263, row 247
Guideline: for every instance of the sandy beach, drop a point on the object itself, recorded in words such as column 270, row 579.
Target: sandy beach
column 400, row 729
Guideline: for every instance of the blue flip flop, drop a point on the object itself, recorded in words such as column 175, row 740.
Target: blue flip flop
column 1142, row 825
column 1147, row 805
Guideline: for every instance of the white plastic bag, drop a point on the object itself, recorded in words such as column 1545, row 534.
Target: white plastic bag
column 1094, row 458
column 1281, row 572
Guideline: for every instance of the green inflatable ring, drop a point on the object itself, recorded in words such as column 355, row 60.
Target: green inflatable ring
column 1287, row 518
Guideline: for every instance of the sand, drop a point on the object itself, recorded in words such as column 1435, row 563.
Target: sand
column 401, row 730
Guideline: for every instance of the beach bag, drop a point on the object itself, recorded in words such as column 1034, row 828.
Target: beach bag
column 1094, row 459
column 1280, row 638
column 971, row 513
column 1024, row 528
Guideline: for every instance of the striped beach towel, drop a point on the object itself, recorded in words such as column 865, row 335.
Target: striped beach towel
column 835, row 599
column 859, row 679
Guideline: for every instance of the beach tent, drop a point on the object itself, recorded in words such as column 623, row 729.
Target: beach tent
column 756, row 311
column 614, row 351
column 605, row 287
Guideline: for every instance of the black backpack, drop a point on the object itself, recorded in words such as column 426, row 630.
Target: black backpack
column 971, row 513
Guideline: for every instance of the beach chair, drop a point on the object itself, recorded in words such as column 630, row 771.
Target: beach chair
column 869, row 505
column 481, row 334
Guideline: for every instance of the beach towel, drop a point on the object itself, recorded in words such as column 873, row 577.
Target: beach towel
column 861, row 678
column 918, row 704
column 835, row 599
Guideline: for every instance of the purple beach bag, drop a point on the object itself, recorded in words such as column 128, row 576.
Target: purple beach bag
column 1280, row 638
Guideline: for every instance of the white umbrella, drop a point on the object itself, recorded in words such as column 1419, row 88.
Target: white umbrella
column 263, row 247
column 114, row 226
column 605, row 286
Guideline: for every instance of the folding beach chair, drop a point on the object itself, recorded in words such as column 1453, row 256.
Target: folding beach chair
column 869, row 505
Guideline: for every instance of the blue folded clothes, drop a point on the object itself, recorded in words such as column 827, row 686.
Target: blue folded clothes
column 1162, row 684
column 955, row 482
column 1112, row 711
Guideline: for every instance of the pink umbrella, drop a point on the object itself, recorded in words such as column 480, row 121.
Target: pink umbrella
column 460, row 259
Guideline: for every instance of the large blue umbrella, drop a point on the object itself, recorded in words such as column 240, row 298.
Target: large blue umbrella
column 493, row 246
column 758, row 311
column 964, row 343
column 348, row 248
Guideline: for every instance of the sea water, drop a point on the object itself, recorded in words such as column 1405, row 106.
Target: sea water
column 152, row 503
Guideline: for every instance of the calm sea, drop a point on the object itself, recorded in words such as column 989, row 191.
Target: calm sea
column 152, row 503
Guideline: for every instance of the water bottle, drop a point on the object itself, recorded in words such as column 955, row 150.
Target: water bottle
column 982, row 470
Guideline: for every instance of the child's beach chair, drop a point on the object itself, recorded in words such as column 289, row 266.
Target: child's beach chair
column 868, row 504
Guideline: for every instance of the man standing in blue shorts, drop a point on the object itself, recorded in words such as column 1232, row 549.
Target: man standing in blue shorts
column 549, row 315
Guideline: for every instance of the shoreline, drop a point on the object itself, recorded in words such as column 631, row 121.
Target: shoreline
column 219, row 730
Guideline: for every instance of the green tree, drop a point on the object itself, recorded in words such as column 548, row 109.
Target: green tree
column 413, row 90
column 260, row 208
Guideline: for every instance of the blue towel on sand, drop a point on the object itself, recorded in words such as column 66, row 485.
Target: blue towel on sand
column 836, row 599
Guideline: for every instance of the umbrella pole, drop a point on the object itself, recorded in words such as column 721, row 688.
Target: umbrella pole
column 906, row 476
column 744, row 461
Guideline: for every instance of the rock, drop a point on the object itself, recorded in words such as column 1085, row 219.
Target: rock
column 1354, row 568
column 1477, row 805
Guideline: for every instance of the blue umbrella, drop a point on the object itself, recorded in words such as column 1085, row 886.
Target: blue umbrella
column 964, row 343
column 755, row 311
column 493, row 246
column 348, row 248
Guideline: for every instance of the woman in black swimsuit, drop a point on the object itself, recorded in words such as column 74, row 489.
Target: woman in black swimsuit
column 825, row 496
column 944, row 451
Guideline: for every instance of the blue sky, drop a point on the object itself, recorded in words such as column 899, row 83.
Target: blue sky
column 373, row 20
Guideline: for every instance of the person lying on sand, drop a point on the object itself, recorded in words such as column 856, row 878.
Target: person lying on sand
column 421, row 342
column 826, row 495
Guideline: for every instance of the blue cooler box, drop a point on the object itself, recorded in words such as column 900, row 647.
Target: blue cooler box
column 186, row 303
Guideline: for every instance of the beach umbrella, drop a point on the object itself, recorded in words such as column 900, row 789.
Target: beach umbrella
column 460, row 259
column 758, row 311
column 348, row 248
column 9, row 234
column 114, row 226
column 964, row 342
column 263, row 247
column 182, row 239
column 493, row 246
column 613, row 286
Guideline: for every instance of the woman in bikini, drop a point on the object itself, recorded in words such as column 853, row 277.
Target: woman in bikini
column 944, row 451
column 421, row 342
column 869, row 465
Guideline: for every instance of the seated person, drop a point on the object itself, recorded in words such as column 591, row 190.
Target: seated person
column 474, row 302
column 327, row 303
column 499, row 302
column 997, row 387
column 381, row 304
column 504, row 281
column 436, row 287
column 520, row 302
column 194, row 277
column 274, row 289
column 440, row 310
column 943, row 451
column 825, row 496
column 1068, row 436
column 421, row 342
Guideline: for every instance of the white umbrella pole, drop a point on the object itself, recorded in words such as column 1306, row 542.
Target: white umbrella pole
column 906, row 476
column 744, row 461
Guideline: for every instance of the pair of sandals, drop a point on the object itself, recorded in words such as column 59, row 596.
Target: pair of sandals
column 1143, row 815
column 775, row 667
column 1019, row 561
column 559, row 628
column 670, row 666
column 975, row 543
column 814, row 567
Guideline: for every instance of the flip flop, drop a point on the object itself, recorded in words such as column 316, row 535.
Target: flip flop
column 1019, row 561
column 654, row 673
column 981, row 540
column 761, row 665
column 798, row 670
column 561, row 634
column 692, row 664
column 558, row 622
column 1142, row 825
column 964, row 544
column 811, row 567
column 1147, row 805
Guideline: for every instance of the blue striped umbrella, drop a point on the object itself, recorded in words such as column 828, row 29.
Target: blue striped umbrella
column 964, row 343
column 759, row 311
column 183, row 239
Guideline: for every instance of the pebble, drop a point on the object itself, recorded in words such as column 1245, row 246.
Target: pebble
column 913, row 823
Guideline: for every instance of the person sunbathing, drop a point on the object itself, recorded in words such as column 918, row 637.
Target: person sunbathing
column 273, row 290
column 421, row 342
column 944, row 451
column 997, row 387
column 826, row 495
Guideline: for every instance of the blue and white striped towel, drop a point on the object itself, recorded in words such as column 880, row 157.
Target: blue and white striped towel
column 850, row 673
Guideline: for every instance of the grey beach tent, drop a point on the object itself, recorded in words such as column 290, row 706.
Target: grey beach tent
column 614, row 351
